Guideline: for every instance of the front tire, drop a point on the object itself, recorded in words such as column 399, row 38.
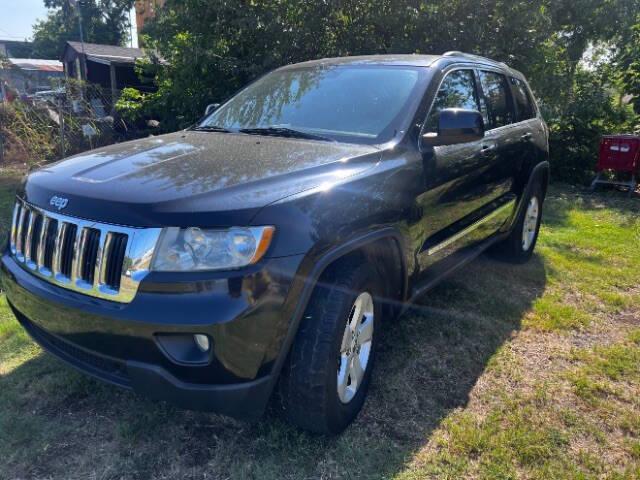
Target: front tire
column 325, row 381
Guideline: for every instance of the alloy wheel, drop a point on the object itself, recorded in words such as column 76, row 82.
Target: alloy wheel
column 530, row 225
column 355, row 348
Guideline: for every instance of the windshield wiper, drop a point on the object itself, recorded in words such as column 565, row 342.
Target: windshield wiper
column 211, row 128
column 284, row 132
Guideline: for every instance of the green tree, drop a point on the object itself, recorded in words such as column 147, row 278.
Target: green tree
column 577, row 126
column 104, row 21
column 213, row 47
column 629, row 64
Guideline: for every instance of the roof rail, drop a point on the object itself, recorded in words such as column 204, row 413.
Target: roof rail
column 456, row 53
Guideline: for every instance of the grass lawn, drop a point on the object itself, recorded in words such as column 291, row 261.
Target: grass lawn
column 504, row 371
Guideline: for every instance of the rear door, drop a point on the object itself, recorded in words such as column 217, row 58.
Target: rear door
column 502, row 147
column 530, row 127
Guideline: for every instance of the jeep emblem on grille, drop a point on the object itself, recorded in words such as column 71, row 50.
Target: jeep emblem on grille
column 58, row 202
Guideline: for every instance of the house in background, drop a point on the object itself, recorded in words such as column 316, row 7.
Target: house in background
column 110, row 67
column 20, row 75
column 25, row 76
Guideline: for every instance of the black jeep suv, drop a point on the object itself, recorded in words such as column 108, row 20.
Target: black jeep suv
column 254, row 255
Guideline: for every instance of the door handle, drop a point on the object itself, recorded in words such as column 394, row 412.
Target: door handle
column 488, row 149
column 527, row 136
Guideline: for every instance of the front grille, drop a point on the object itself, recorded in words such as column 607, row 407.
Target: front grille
column 101, row 260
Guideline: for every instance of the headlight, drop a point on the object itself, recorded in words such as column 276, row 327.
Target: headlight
column 194, row 249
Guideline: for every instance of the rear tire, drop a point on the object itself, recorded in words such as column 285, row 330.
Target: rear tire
column 315, row 390
column 521, row 242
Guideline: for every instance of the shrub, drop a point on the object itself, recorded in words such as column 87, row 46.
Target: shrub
column 593, row 109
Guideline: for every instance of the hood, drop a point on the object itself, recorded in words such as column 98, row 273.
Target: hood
column 192, row 178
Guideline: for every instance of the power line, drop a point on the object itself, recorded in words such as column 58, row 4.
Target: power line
column 11, row 36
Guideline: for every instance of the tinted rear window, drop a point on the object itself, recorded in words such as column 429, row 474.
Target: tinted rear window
column 496, row 108
column 524, row 104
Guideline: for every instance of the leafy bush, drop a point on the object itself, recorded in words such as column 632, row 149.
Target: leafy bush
column 130, row 105
column 576, row 126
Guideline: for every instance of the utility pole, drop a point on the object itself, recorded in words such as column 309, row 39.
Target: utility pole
column 61, row 121
column 77, row 4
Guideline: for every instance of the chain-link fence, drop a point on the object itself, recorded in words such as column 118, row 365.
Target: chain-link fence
column 70, row 118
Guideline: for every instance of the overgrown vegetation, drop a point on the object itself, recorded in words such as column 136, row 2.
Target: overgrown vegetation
column 31, row 137
column 23, row 138
column 502, row 372
column 31, row 133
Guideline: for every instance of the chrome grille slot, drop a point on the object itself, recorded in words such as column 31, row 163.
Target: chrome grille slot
column 91, row 242
column 34, row 238
column 114, row 260
column 50, row 243
column 97, row 259
column 27, row 231
column 22, row 231
column 14, row 226
column 68, row 249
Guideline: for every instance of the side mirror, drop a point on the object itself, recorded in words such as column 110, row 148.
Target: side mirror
column 456, row 125
column 211, row 108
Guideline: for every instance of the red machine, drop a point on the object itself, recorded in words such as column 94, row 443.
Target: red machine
column 621, row 155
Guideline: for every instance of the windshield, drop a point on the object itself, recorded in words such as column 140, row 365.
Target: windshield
column 359, row 104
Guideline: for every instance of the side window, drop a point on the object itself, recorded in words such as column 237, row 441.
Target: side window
column 458, row 90
column 524, row 105
column 498, row 111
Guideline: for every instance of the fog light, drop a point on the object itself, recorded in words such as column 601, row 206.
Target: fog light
column 202, row 341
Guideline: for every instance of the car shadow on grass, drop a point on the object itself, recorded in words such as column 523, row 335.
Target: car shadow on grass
column 58, row 423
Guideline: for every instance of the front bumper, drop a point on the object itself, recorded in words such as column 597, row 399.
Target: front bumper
column 246, row 314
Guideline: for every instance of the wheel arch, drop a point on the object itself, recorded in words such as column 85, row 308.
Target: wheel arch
column 371, row 246
column 541, row 172
column 384, row 254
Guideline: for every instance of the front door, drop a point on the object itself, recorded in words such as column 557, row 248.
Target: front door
column 453, row 173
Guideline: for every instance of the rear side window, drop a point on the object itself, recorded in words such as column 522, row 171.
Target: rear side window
column 524, row 104
column 458, row 90
column 497, row 110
